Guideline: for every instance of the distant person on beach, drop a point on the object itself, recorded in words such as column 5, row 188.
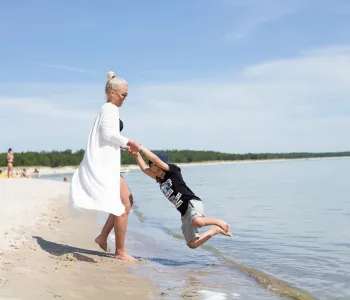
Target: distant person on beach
column 97, row 183
column 35, row 173
column 10, row 159
column 25, row 174
column 174, row 188
column 65, row 179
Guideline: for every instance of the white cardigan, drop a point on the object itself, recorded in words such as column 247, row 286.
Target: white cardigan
column 96, row 182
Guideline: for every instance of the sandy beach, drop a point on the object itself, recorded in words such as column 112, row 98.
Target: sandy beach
column 46, row 254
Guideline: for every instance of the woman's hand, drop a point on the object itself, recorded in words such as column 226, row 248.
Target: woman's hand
column 134, row 147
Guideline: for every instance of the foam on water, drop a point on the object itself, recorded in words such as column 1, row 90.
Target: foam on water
column 208, row 295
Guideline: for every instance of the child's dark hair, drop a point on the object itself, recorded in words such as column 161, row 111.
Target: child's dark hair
column 162, row 157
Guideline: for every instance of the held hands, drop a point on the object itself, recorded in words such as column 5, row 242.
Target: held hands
column 135, row 154
column 133, row 147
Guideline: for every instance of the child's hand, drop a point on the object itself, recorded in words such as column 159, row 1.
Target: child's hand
column 135, row 154
column 132, row 151
column 134, row 146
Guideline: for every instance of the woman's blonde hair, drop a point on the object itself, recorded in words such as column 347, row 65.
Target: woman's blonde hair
column 114, row 82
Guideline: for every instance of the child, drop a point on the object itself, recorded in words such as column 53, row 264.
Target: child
column 187, row 203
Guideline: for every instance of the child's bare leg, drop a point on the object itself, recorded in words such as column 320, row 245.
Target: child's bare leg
column 205, row 221
column 206, row 236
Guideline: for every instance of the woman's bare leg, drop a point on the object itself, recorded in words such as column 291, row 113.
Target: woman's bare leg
column 101, row 240
column 119, row 223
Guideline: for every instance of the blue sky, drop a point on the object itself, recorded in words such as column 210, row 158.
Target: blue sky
column 228, row 75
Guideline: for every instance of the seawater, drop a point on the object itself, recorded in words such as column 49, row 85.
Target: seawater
column 291, row 226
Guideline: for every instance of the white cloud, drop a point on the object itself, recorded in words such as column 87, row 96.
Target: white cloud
column 296, row 104
column 35, row 123
column 249, row 15
column 63, row 67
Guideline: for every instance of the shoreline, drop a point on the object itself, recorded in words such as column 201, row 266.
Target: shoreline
column 246, row 161
column 54, row 255
column 43, row 170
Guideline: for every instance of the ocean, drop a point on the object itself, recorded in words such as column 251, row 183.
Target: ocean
column 291, row 227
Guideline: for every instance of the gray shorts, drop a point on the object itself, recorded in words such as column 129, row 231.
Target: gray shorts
column 195, row 209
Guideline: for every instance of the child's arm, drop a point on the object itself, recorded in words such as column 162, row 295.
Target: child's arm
column 143, row 166
column 154, row 158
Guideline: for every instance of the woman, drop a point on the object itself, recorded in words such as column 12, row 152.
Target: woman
column 97, row 184
column 10, row 157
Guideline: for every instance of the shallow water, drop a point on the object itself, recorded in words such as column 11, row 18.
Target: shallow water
column 290, row 220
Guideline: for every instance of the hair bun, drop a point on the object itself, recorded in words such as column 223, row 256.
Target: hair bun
column 109, row 75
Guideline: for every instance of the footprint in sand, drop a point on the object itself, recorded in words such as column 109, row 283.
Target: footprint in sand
column 68, row 257
column 74, row 257
column 3, row 281
column 84, row 258
column 54, row 295
column 32, row 247
column 63, row 257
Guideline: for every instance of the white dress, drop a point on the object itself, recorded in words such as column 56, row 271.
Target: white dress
column 96, row 182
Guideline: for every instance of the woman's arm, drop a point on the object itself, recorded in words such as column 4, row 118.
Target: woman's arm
column 110, row 129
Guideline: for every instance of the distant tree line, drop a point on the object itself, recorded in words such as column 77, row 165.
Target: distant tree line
column 70, row 158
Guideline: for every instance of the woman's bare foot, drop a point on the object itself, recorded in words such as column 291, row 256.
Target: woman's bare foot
column 102, row 243
column 126, row 257
column 223, row 225
column 223, row 232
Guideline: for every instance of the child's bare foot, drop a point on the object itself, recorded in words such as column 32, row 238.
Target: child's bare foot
column 126, row 257
column 223, row 225
column 102, row 243
column 223, row 232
